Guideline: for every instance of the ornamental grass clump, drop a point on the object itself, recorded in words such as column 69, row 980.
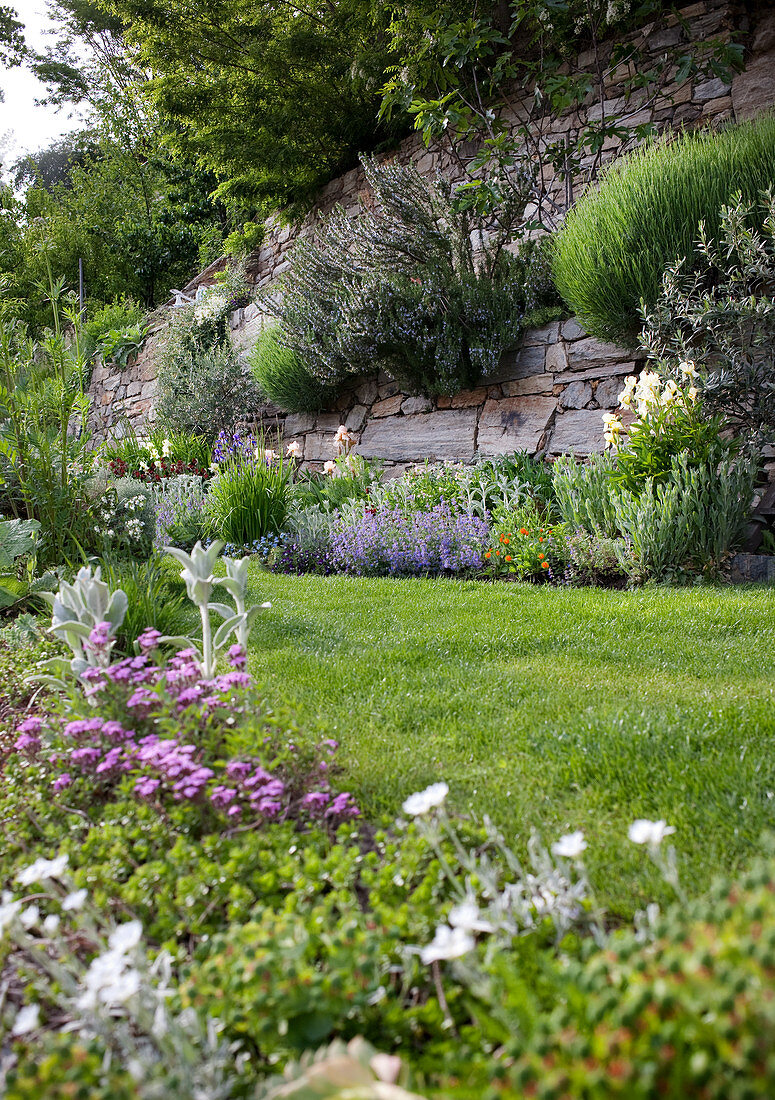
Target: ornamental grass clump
column 617, row 241
column 387, row 541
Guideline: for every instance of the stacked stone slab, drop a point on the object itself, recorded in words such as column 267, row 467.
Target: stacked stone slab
column 547, row 397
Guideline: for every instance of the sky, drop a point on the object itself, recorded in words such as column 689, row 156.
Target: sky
column 25, row 128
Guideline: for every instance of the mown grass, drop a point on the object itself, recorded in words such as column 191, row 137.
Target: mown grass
column 544, row 708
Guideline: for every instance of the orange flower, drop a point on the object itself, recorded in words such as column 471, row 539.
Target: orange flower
column 497, row 553
column 540, row 557
column 540, row 540
column 487, row 554
column 544, row 564
column 500, row 538
column 505, row 539
column 523, row 531
column 508, row 557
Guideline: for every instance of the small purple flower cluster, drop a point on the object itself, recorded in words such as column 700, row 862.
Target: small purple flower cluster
column 388, row 541
column 170, row 742
column 297, row 557
column 235, row 448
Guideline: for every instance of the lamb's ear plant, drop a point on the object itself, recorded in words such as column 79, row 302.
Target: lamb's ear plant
column 87, row 617
column 198, row 574
column 236, row 584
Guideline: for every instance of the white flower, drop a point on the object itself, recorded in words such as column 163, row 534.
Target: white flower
column 688, row 370
column 42, row 869
column 448, row 943
column 27, row 1020
column 422, row 802
column 269, row 456
column 466, row 916
column 29, row 917
column 51, row 924
column 74, row 900
column 126, row 936
column 109, row 980
column 8, row 911
column 329, row 468
column 648, row 832
column 293, row 450
column 570, row 846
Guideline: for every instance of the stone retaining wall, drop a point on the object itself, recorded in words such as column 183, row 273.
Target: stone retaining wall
column 547, row 397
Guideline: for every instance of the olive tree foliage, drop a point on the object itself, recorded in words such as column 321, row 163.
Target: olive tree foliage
column 719, row 320
column 12, row 45
column 489, row 81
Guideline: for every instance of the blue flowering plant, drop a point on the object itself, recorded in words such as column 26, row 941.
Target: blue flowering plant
column 388, row 541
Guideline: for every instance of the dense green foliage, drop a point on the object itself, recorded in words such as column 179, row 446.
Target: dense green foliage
column 283, row 376
column 717, row 323
column 273, row 99
column 616, row 242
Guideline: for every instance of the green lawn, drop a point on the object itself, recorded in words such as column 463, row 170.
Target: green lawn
column 544, row 708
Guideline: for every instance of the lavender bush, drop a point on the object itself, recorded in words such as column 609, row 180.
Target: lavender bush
column 179, row 503
column 387, row 541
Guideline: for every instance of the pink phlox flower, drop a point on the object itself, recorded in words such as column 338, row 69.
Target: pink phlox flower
column 111, row 760
column 330, row 744
column 238, row 769
column 62, row 781
column 237, row 656
column 315, row 800
column 259, row 776
column 149, row 640
column 27, row 742
column 99, row 635
column 343, row 806
column 83, row 725
column 228, row 680
column 222, row 796
column 269, row 808
column 142, row 697
column 87, row 755
column 30, row 725
column 146, row 786
column 234, row 811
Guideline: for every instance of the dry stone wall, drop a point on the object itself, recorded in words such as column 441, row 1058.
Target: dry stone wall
column 548, row 396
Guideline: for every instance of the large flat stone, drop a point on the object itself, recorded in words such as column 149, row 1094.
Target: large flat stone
column 444, row 434
column 579, row 431
column 589, row 352
column 319, row 447
column 298, row 423
column 514, row 424
column 753, row 89
column 519, row 364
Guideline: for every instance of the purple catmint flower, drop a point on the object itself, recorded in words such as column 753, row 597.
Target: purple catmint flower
column 62, row 781
column 343, row 806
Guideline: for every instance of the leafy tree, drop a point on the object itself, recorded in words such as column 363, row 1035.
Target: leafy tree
column 272, row 96
column 12, row 46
